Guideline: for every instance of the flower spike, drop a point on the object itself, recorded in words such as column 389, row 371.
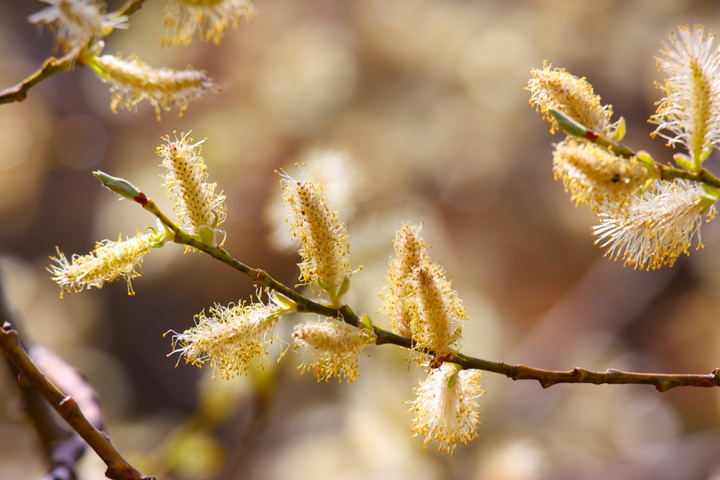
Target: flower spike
column 324, row 247
column 209, row 19
column 556, row 89
column 230, row 337
column 199, row 209
column 657, row 226
column 133, row 81
column 446, row 407
column 107, row 262
column 690, row 110
column 335, row 346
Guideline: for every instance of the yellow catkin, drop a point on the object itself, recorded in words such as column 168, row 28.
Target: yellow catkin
column 132, row 81
column 556, row 89
column 438, row 314
column 198, row 208
column 410, row 251
column 229, row 338
column 445, row 408
column 107, row 262
column 593, row 175
column 206, row 20
column 335, row 348
column 324, row 246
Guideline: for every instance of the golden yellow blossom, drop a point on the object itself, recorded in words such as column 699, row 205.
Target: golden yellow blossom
column 229, row 337
column 410, row 251
column 183, row 19
column 594, row 175
column 199, row 209
column 437, row 314
column 133, row 81
column 107, row 262
column 556, row 89
column 324, row 245
column 446, row 408
column 335, row 348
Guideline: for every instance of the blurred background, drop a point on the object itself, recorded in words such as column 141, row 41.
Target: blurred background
column 407, row 110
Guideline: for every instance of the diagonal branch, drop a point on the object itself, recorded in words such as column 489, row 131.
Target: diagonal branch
column 32, row 377
column 53, row 65
column 546, row 378
column 50, row 67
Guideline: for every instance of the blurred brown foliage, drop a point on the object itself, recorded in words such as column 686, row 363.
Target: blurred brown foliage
column 427, row 98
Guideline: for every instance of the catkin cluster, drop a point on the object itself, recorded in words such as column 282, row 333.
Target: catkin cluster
column 80, row 27
column 648, row 215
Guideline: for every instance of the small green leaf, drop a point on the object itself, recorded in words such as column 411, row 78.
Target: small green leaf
column 684, row 161
column 366, row 322
column 620, row 130
column 207, row 236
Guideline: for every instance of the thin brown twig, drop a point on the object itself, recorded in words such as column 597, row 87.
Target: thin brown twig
column 50, row 67
column 53, row 65
column 130, row 7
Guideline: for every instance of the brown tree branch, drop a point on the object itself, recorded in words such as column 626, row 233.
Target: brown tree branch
column 547, row 378
column 30, row 376
column 50, row 67
column 53, row 65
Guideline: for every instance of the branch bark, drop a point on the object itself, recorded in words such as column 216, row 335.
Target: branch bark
column 31, row 377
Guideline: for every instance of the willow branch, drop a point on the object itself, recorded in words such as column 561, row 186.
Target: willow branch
column 62, row 446
column 32, row 377
column 703, row 176
column 546, row 378
column 50, row 67
column 53, row 65
column 130, row 7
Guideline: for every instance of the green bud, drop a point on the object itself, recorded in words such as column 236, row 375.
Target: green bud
column 620, row 130
column 121, row 186
column 684, row 161
column 207, row 236
column 568, row 125
column 366, row 322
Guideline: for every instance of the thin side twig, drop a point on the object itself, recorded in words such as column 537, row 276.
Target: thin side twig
column 50, row 67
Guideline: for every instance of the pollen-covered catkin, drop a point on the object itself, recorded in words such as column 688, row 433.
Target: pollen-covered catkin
column 593, row 175
column 229, row 338
column 199, row 209
column 438, row 314
column 107, row 262
column 133, row 81
column 335, row 348
column 445, row 407
column 205, row 19
column 559, row 90
column 324, row 245
column 410, row 251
